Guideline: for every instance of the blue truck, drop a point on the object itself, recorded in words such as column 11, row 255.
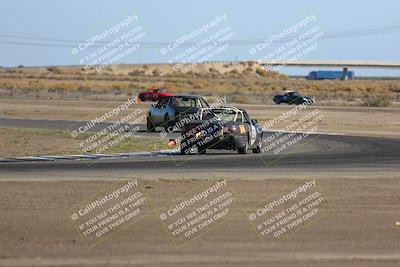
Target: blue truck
column 329, row 75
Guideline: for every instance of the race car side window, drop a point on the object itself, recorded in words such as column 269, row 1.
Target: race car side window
column 183, row 102
column 246, row 118
column 203, row 103
column 207, row 115
column 239, row 117
column 198, row 103
column 163, row 101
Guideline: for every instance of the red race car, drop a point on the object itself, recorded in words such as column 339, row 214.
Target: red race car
column 154, row 94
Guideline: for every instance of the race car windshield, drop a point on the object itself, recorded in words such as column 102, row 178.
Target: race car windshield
column 225, row 115
column 181, row 102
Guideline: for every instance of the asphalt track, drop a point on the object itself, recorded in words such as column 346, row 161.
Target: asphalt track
column 313, row 153
column 60, row 125
column 328, row 153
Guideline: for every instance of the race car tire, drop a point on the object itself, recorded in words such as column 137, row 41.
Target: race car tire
column 243, row 150
column 166, row 121
column 258, row 149
column 201, row 150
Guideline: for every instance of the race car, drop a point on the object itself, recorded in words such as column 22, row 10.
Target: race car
column 153, row 94
column 222, row 128
column 293, row 98
column 171, row 110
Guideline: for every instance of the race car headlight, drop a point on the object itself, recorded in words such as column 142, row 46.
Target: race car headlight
column 201, row 134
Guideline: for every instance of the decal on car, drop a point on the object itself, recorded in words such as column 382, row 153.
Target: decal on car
column 253, row 135
column 242, row 129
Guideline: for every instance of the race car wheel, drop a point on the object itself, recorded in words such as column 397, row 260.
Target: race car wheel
column 166, row 121
column 258, row 149
column 201, row 150
column 243, row 150
column 142, row 98
column 150, row 125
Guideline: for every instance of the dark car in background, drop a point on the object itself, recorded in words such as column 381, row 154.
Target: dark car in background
column 222, row 128
column 172, row 109
column 154, row 94
column 293, row 98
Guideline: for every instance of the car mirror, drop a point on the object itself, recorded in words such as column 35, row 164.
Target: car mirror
column 254, row 121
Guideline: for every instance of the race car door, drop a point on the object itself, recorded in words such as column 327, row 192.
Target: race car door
column 251, row 128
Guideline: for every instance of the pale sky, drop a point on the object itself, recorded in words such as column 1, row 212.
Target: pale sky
column 42, row 32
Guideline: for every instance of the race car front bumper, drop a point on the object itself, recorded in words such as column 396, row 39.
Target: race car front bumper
column 229, row 141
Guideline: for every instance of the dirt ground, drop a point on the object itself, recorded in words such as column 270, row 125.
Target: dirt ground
column 358, row 227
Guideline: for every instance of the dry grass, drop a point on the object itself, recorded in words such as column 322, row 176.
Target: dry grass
column 245, row 82
column 16, row 142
